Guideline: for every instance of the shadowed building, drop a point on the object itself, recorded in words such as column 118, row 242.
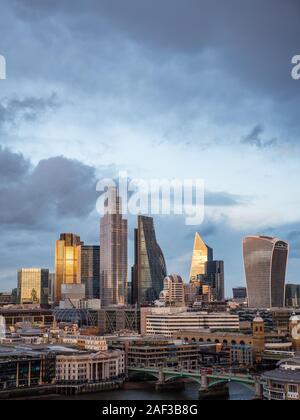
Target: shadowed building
column 67, row 262
column 149, row 270
column 265, row 261
column 113, row 252
column 201, row 255
column 90, row 270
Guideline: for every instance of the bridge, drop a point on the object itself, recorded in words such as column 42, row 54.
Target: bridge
column 207, row 379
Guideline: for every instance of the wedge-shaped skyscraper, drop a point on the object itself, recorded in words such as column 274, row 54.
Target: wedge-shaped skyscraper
column 201, row 255
column 265, row 261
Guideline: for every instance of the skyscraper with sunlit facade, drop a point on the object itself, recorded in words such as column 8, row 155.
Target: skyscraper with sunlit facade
column 67, row 262
column 265, row 261
column 113, row 252
column 202, row 253
column 33, row 286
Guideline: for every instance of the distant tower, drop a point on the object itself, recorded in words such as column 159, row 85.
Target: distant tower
column 294, row 324
column 201, row 255
column 258, row 334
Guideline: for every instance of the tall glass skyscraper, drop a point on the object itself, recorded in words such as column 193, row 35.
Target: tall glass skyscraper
column 67, row 262
column 33, row 286
column 202, row 253
column 113, row 252
column 265, row 261
column 150, row 269
column 90, row 270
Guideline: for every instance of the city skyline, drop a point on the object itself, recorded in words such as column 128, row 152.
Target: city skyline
column 148, row 101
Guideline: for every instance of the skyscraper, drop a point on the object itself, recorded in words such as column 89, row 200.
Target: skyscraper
column 149, row 270
column 33, row 286
column 90, row 270
column 215, row 269
column 265, row 261
column 113, row 252
column 201, row 255
column 67, row 262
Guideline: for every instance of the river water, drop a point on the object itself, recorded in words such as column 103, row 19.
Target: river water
column 237, row 392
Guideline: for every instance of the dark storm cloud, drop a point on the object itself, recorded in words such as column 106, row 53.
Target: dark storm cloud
column 12, row 166
column 41, row 196
column 16, row 110
column 254, row 39
column 255, row 138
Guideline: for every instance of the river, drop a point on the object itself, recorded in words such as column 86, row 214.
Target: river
column 237, row 392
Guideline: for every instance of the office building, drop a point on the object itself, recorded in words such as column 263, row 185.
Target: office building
column 212, row 283
column 173, row 292
column 113, row 252
column 90, row 270
column 156, row 352
column 265, row 261
column 292, row 295
column 67, row 262
column 160, row 324
column 25, row 369
column 239, row 294
column 33, row 286
column 149, row 270
column 202, row 253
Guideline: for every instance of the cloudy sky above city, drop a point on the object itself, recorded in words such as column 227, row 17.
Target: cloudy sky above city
column 160, row 89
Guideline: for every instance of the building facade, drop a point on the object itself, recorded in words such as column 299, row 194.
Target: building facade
column 283, row 383
column 150, row 269
column 33, row 286
column 113, row 252
column 90, row 270
column 239, row 294
column 173, row 292
column 67, row 262
column 85, row 367
column 292, row 295
column 265, row 261
column 202, row 253
column 167, row 324
column 26, row 370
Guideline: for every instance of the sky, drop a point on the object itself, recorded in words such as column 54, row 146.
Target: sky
column 161, row 89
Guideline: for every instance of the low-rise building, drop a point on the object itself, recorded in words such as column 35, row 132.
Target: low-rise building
column 241, row 355
column 85, row 367
column 25, row 369
column 154, row 352
column 283, row 383
column 86, row 342
column 167, row 324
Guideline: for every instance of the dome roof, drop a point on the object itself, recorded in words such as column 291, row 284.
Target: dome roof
column 258, row 318
column 295, row 318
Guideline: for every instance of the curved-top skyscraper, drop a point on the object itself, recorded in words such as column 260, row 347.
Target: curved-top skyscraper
column 265, row 261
